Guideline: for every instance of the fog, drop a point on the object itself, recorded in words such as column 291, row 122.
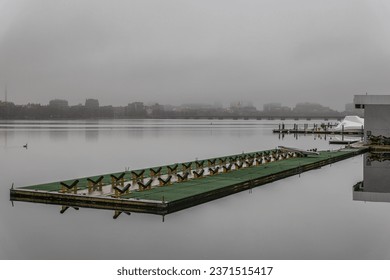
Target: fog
column 177, row 51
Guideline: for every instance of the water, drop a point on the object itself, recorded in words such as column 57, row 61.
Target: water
column 311, row 216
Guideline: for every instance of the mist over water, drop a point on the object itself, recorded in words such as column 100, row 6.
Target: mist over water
column 176, row 52
column 311, row 216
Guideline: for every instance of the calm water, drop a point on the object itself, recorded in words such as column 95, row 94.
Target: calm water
column 312, row 216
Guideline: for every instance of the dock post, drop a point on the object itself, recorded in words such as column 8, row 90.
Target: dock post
column 299, row 169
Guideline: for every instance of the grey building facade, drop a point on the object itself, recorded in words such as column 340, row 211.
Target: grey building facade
column 376, row 115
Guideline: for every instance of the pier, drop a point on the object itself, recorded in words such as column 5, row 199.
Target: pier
column 316, row 129
column 166, row 189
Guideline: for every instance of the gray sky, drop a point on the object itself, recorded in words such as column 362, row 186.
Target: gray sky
column 181, row 51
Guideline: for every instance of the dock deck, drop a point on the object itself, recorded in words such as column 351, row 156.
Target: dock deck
column 167, row 189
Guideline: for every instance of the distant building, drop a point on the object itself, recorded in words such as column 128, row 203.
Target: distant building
column 242, row 109
column 59, row 104
column 137, row 109
column 119, row 112
column 197, row 106
column 7, row 109
column 276, row 109
column 136, row 106
column 155, row 110
column 235, row 106
column 92, row 104
column 308, row 108
column 313, row 109
column 106, row 111
column 249, row 109
column 270, row 107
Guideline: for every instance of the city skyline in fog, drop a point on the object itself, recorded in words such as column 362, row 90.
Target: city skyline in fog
column 235, row 104
column 175, row 52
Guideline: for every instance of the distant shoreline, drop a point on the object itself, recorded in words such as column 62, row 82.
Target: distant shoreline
column 307, row 117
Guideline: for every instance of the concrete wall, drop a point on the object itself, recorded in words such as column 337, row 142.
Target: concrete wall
column 377, row 120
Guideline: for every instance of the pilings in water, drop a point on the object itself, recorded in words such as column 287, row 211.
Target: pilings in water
column 305, row 128
column 319, row 129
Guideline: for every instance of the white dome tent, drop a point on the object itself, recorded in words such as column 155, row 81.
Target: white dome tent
column 350, row 123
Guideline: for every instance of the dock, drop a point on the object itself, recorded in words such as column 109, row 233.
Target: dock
column 316, row 129
column 166, row 189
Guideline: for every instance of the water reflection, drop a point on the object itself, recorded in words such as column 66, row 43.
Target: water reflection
column 91, row 135
column 116, row 213
column 59, row 135
column 282, row 220
column 330, row 138
column 376, row 177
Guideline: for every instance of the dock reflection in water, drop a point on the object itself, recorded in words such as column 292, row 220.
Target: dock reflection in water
column 375, row 186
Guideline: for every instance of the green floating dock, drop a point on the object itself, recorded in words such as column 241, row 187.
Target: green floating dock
column 167, row 193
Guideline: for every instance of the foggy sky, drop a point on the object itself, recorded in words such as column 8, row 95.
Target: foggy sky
column 205, row 51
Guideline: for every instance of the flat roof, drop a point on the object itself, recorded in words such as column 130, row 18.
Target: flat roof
column 371, row 100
